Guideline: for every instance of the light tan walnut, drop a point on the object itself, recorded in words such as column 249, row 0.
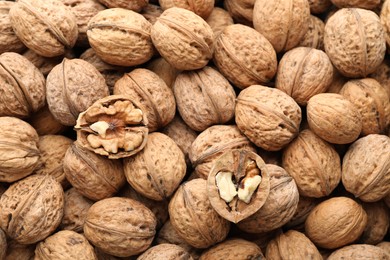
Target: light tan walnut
column 203, row 8
column 381, row 75
column 314, row 37
column 359, row 252
column 218, row 20
column 240, row 10
column 165, row 251
column 232, row 249
column 9, row 42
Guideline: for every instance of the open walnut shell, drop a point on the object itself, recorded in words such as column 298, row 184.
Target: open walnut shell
column 232, row 187
column 114, row 126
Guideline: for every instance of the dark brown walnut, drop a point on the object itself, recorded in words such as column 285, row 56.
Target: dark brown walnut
column 157, row 170
column 183, row 39
column 203, row 8
column 204, row 98
column 373, row 103
column 120, row 37
column 212, row 143
column 120, row 226
column 336, row 222
column 47, row 27
column 65, row 245
column 71, row 87
column 366, row 168
column 366, row 4
column 240, row 10
column 152, row 12
column 22, row 86
column 134, row 5
column 218, row 20
column 238, row 184
column 319, row 6
column 114, row 126
column 359, row 252
column 75, row 211
column 267, row 116
column 94, row 176
column 9, row 42
column 193, row 217
column 305, row 205
column 19, row 151
column 148, row 89
column 3, row 188
column 44, row 122
column 314, row 37
column 31, row 209
column 292, row 245
column 164, row 70
column 3, row 244
column 239, row 66
column 381, row 75
column 386, row 199
column 233, row 249
column 279, row 207
column 16, row 251
column 378, row 218
column 165, row 251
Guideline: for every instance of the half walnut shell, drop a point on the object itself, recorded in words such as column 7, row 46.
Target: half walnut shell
column 114, row 126
column 238, row 184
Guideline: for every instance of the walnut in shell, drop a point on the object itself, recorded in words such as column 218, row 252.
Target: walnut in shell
column 385, row 21
column 385, row 246
column 183, row 39
column 9, row 42
column 267, row 116
column 31, row 209
column 319, row 6
column 193, row 217
column 47, row 27
column 165, row 251
column 164, row 70
column 359, row 252
column 218, row 20
column 152, row 12
column 381, row 75
column 120, row 226
column 44, row 122
column 3, row 244
column 378, row 219
column 134, row 5
column 203, row 8
column 366, row 4
column 305, row 206
column 16, row 251
column 240, row 10
column 233, row 249
column 314, row 37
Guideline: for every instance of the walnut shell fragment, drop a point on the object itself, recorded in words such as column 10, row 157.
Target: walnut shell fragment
column 233, row 249
column 359, row 252
column 165, row 251
column 114, row 126
column 238, row 184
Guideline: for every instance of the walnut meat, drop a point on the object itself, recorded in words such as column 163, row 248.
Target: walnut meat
column 378, row 219
column 240, row 10
column 359, row 252
column 233, row 249
column 203, row 8
column 9, row 42
column 31, row 209
column 314, row 37
column 134, row 5
column 165, row 251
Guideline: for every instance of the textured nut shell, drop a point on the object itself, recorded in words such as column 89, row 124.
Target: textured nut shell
column 240, row 10
column 212, row 143
column 147, row 88
column 381, row 75
column 378, row 223
column 158, row 169
column 267, row 116
column 45, row 123
column 152, row 12
column 314, row 37
column 71, row 87
column 366, row 168
column 164, row 70
column 165, row 251
column 336, row 222
column 22, row 86
column 47, row 27
column 203, row 8
column 337, row 82
column 31, row 209
column 313, row 163
column 280, row 205
column 120, row 37
column 204, row 98
column 8, row 40
column 65, row 245
column 366, row 4
column 218, row 20
column 3, row 244
column 359, row 252
column 193, row 217
column 16, row 251
column 305, row 205
column 319, row 6
column 135, row 5
column 355, row 41
column 120, row 226
column 282, row 22
column 233, row 249
column 385, row 246
column 385, row 21
column 183, row 39
column 237, row 64
column 19, row 151
column 333, row 118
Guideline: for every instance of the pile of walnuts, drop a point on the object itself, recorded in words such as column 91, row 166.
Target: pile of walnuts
column 181, row 129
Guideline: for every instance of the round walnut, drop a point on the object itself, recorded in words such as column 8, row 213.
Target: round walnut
column 204, row 98
column 3, row 244
column 359, row 252
column 164, row 70
column 19, row 151
column 9, row 42
column 120, row 37
column 239, row 66
column 31, row 209
column 333, row 118
column 366, row 168
column 120, row 226
column 381, row 74
column 157, row 170
column 314, row 37
column 134, row 5
column 218, row 20
column 373, row 103
column 65, row 245
column 267, row 116
column 183, row 39
column 304, row 72
column 378, row 217
column 47, row 27
column 233, row 249
column 152, row 12
column 366, row 4
column 355, row 41
column 203, row 8
column 193, row 217
column 71, row 87
column 336, row 222
column 279, row 206
column 319, row 6
column 240, row 10
column 148, row 89
column 22, row 86
column 385, row 246
column 282, row 22
column 165, row 251
column 313, row 163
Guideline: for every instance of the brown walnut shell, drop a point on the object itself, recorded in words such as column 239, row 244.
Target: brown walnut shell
column 240, row 10
column 385, row 21
column 165, row 251
column 134, row 5
column 385, row 246
column 314, row 37
column 9, row 42
column 152, row 12
column 164, row 70
column 359, row 252
column 319, row 6
column 3, row 244
column 218, row 20
column 203, row 8
column 305, row 206
column 31, row 209
column 381, row 74
column 44, row 122
column 378, row 217
column 366, row 4
column 16, row 251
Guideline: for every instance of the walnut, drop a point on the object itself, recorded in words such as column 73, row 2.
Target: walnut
column 336, row 222
column 165, row 251
column 64, row 245
column 206, row 94
column 314, row 37
column 240, row 10
column 385, row 246
column 109, row 227
column 305, row 206
column 267, row 116
column 22, row 86
column 385, row 21
column 355, row 41
column 183, row 39
column 337, row 82
column 47, row 27
column 9, row 42
column 16, row 251
column 366, row 4
column 31, row 209
column 203, row 8
column 152, row 12
column 44, row 122
column 260, row 239
column 233, row 249
column 366, row 168
column 134, row 5
column 359, row 252
column 193, row 217
column 3, row 244
column 72, row 87
column 319, row 6
column 218, row 20
column 164, row 70
column 378, row 219
column 381, row 75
